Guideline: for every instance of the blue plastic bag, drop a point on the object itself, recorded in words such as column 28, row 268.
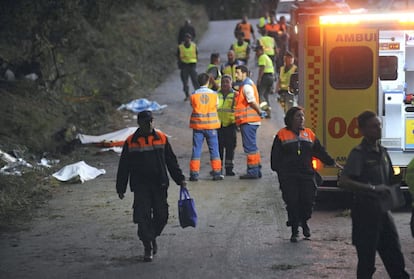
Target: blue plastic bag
column 186, row 209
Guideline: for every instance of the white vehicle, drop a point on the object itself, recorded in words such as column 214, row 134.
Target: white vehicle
column 348, row 63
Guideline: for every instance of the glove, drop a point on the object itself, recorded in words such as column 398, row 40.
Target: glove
column 412, row 223
column 263, row 114
column 121, row 195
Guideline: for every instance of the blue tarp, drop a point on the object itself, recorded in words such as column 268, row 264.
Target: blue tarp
column 139, row 105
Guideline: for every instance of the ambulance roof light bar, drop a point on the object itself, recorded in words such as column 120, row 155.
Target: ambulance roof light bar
column 342, row 19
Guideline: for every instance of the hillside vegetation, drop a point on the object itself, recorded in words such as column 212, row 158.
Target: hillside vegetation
column 90, row 57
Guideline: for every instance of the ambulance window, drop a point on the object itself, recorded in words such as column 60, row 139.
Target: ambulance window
column 351, row 67
column 388, row 66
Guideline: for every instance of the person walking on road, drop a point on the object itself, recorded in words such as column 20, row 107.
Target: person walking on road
column 187, row 55
column 187, row 28
column 247, row 28
column 291, row 157
column 241, row 49
column 204, row 121
column 286, row 98
column 145, row 158
column 248, row 116
column 265, row 79
column 227, row 133
column 368, row 173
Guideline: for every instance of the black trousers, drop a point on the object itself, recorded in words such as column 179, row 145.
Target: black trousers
column 188, row 71
column 150, row 210
column 298, row 193
column 373, row 230
column 227, row 137
column 265, row 87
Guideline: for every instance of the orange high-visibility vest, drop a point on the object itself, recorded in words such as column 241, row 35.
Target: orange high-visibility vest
column 287, row 136
column 149, row 143
column 204, row 116
column 243, row 112
column 246, row 28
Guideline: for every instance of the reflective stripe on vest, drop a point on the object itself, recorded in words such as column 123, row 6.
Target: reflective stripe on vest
column 287, row 136
column 204, row 115
column 243, row 112
column 285, row 76
column 226, row 109
column 188, row 55
column 240, row 51
column 149, row 143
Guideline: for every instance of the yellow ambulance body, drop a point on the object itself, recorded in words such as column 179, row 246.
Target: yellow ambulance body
column 351, row 62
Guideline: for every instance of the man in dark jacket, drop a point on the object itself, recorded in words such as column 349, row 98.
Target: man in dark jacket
column 368, row 173
column 145, row 158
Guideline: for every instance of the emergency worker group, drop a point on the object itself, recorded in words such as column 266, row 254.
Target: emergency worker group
column 225, row 101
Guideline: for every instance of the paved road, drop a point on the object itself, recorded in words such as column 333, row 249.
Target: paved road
column 85, row 231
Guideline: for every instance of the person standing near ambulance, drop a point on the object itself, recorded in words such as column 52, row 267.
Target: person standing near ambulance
column 187, row 55
column 145, row 158
column 291, row 157
column 368, row 173
column 248, row 115
column 286, row 98
column 227, row 133
column 204, row 121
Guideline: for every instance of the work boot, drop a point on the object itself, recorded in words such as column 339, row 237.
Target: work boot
column 147, row 251
column 295, row 234
column 306, row 229
column 229, row 172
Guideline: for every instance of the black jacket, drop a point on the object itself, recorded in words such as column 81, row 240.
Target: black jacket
column 145, row 159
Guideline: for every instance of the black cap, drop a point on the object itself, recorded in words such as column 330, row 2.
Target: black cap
column 145, row 115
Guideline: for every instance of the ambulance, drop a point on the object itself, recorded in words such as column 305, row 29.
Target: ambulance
column 349, row 62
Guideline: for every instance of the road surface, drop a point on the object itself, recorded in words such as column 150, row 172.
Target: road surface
column 85, row 231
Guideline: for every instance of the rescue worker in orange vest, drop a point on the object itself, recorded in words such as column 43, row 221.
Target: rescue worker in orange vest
column 145, row 158
column 272, row 27
column 291, row 157
column 248, row 115
column 187, row 55
column 204, row 121
column 265, row 79
column 227, row 133
column 229, row 68
column 286, row 98
column 213, row 70
column 241, row 49
column 247, row 29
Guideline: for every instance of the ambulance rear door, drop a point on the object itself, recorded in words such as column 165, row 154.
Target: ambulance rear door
column 350, row 84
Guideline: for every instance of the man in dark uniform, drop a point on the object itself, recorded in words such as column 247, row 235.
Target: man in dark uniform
column 145, row 158
column 368, row 173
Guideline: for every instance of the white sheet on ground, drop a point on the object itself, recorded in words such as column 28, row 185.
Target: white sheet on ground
column 139, row 105
column 117, row 136
column 79, row 170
